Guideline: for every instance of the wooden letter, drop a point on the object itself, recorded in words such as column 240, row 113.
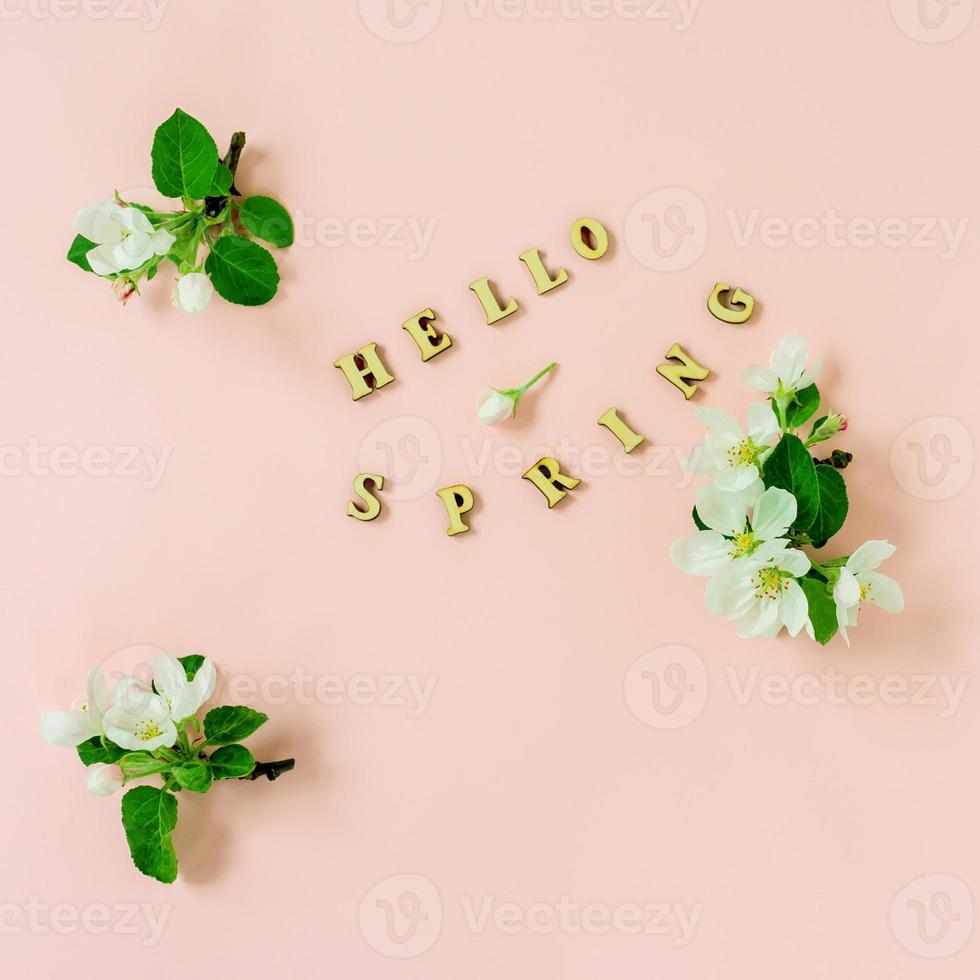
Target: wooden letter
column 620, row 430
column 740, row 305
column 547, row 476
column 589, row 238
column 373, row 505
column 488, row 300
column 429, row 341
column 687, row 370
column 541, row 276
column 360, row 366
column 458, row 500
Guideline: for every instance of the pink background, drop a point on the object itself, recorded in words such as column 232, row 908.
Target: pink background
column 796, row 828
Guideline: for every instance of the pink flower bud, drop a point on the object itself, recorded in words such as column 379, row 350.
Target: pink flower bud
column 123, row 288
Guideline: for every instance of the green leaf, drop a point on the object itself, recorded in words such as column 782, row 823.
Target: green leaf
column 821, row 607
column 701, row 526
column 803, row 406
column 267, row 219
column 225, row 725
column 149, row 816
column 832, row 510
column 220, row 181
column 192, row 663
column 97, row 749
column 231, row 762
column 194, row 776
column 242, row 272
column 137, row 764
column 185, row 157
column 790, row 467
column 78, row 252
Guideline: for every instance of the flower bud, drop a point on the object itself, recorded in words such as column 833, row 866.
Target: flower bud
column 123, row 288
column 193, row 292
column 828, row 428
column 495, row 406
column 104, row 780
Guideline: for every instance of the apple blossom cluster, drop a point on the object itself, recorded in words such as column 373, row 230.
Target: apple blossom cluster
column 771, row 504
column 150, row 730
column 206, row 239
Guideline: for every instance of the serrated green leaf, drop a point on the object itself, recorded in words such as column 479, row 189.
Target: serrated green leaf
column 832, row 510
column 220, row 181
column 228, row 724
column 790, row 467
column 184, row 156
column 231, row 762
column 149, row 816
column 242, row 272
column 78, row 252
column 97, row 749
column 267, row 219
column 192, row 663
column 803, row 406
column 194, row 776
column 821, row 608
column 701, row 526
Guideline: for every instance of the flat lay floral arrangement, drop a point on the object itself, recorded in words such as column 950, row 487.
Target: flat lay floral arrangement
column 150, row 730
column 770, row 500
column 127, row 242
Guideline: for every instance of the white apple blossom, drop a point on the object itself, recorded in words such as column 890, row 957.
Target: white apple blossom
column 84, row 720
column 124, row 237
column 859, row 582
column 104, row 779
column 787, row 371
column 183, row 697
column 733, row 455
column 193, row 292
column 138, row 718
column 732, row 535
column 760, row 593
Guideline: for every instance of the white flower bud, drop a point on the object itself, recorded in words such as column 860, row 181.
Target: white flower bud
column 193, row 292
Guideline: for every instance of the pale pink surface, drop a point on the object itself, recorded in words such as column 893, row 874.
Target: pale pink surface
column 796, row 826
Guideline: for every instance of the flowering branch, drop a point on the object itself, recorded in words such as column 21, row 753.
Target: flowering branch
column 771, row 500
column 145, row 730
column 127, row 242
